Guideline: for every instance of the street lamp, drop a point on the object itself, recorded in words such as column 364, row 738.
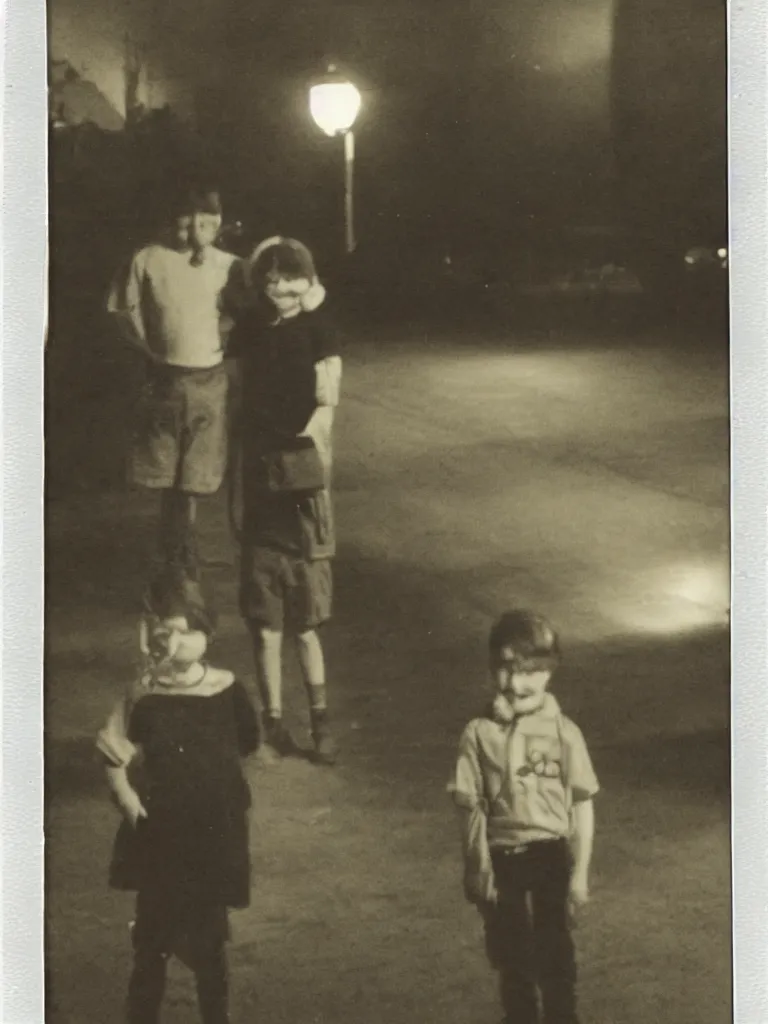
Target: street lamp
column 334, row 104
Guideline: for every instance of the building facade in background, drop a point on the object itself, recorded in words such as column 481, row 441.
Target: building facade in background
column 138, row 54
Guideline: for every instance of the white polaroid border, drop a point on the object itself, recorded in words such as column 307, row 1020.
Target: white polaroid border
column 23, row 108
column 748, row 137
column 23, row 289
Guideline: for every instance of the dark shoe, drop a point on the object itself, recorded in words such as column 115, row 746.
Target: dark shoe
column 326, row 751
column 277, row 737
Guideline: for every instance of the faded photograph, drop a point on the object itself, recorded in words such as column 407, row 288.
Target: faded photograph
column 387, row 666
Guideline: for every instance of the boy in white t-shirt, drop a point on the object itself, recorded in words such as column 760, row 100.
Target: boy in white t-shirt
column 524, row 785
column 167, row 304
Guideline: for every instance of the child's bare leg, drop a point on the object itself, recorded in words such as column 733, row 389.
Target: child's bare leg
column 268, row 653
column 313, row 670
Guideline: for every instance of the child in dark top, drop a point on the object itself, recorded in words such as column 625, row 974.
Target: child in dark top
column 290, row 375
column 183, row 846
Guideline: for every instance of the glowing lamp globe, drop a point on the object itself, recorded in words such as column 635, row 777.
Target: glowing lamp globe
column 334, row 106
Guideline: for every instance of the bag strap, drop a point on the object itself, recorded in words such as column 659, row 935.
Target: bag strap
column 234, row 467
column 505, row 777
column 565, row 768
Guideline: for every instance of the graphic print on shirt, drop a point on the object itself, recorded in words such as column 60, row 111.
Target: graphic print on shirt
column 539, row 793
column 543, row 757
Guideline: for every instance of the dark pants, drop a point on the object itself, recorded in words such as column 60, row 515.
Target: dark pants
column 166, row 924
column 528, row 936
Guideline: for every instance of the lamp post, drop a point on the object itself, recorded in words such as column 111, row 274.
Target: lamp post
column 334, row 103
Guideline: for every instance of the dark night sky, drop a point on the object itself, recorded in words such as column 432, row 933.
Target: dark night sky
column 473, row 112
column 483, row 123
column 479, row 117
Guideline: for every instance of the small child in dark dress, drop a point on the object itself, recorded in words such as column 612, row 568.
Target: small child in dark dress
column 183, row 846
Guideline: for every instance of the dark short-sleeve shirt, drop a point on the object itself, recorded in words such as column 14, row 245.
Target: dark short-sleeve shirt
column 278, row 370
column 277, row 400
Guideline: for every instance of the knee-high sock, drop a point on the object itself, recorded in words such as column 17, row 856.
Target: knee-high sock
column 268, row 653
column 312, row 664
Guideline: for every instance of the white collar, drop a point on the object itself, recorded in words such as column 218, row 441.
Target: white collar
column 504, row 715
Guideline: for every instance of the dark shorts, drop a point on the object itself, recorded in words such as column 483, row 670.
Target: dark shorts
column 279, row 591
column 180, row 437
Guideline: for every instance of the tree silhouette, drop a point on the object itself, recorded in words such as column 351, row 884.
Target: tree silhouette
column 134, row 66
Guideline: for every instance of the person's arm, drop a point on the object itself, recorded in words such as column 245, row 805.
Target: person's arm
column 582, row 839
column 320, row 429
column 328, row 370
column 247, row 721
column 236, row 297
column 117, row 751
column 124, row 306
column 467, row 790
column 328, row 381
column 584, row 786
column 128, row 800
column 467, row 786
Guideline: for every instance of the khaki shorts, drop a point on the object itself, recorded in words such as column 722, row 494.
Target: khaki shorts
column 180, row 437
column 279, row 591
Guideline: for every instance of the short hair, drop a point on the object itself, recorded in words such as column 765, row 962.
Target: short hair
column 531, row 636
column 287, row 258
column 164, row 599
column 196, row 199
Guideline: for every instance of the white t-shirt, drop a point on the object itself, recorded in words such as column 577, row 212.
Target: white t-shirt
column 172, row 308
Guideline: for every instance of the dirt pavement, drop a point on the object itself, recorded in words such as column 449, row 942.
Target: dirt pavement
column 590, row 482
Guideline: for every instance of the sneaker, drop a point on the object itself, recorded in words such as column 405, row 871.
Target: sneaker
column 326, row 751
column 278, row 737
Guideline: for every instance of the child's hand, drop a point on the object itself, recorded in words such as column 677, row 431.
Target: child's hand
column 489, row 907
column 132, row 807
column 327, row 379
column 313, row 297
column 578, row 893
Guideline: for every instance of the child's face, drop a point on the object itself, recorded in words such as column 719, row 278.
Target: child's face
column 286, row 293
column 198, row 230
column 187, row 645
column 525, row 688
